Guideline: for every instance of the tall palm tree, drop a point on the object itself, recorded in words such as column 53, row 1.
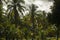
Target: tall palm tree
column 15, row 7
column 33, row 12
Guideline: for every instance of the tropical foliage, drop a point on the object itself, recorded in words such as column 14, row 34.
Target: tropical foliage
column 35, row 25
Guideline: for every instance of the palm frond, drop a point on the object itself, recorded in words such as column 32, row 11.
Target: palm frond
column 21, row 1
column 21, row 8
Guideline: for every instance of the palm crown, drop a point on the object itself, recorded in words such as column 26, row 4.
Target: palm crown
column 14, row 8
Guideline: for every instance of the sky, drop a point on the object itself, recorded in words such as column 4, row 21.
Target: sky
column 43, row 5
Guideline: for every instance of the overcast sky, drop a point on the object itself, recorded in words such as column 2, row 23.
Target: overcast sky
column 42, row 4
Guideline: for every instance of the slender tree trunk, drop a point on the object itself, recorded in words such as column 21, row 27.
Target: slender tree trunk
column 12, row 38
column 16, row 16
column 42, row 36
column 33, row 25
column 7, row 38
column 33, row 22
column 57, row 32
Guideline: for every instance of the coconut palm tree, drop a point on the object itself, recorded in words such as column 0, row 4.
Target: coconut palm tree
column 33, row 12
column 14, row 8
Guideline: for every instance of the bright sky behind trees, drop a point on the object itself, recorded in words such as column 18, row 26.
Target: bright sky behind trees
column 42, row 4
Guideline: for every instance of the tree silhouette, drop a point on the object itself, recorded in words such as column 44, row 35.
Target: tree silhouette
column 14, row 9
column 55, row 16
column 33, row 12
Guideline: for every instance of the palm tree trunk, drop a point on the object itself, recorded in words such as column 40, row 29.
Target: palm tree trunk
column 57, row 34
column 16, row 16
column 57, row 31
column 33, row 26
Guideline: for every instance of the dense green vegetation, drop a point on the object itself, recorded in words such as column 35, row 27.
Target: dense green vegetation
column 54, row 18
column 35, row 25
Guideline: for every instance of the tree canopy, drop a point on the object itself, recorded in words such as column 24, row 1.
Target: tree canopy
column 14, row 25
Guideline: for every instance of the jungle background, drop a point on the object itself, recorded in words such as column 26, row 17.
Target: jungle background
column 34, row 25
